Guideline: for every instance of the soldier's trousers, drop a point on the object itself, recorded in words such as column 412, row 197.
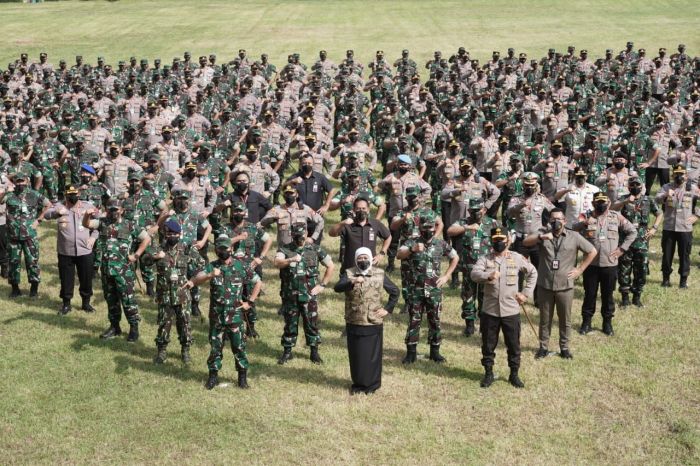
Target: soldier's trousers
column 393, row 247
column 4, row 256
column 97, row 255
column 471, row 294
column 291, row 310
column 235, row 333
column 30, row 248
column 50, row 188
column 182, row 324
column 416, row 308
column 252, row 313
column 633, row 263
column 406, row 282
column 148, row 272
column 118, row 291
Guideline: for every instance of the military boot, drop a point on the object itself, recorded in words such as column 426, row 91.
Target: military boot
column 410, row 357
column 113, row 331
column 3, row 270
column 243, row 378
column 607, row 327
column 161, row 356
column 666, row 281
column 435, row 354
column 286, row 355
column 683, row 283
column 213, row 380
column 487, row 381
column 251, row 331
column 470, row 329
column 65, row 307
column 315, row 358
column 625, row 300
column 195, row 310
column 389, row 265
column 133, row 333
column 514, row 379
column 637, row 300
column 404, row 309
column 454, row 283
column 86, row 306
column 185, row 355
column 34, row 290
column 150, row 290
column 585, row 326
column 15, row 293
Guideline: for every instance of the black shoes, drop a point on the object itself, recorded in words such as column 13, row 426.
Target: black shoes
column 286, row 356
column 666, row 282
column 87, row 307
column 566, row 354
column 637, row 300
column 251, row 331
column 34, row 290
column 213, row 380
column 111, row 332
column 608, row 328
column 585, row 326
column 470, row 329
column 243, row 379
column 625, row 300
column 15, row 293
column 161, row 356
column 487, row 381
column 315, row 358
column 65, row 307
column 185, row 355
column 410, row 357
column 133, row 333
column 514, row 379
column 683, row 283
column 435, row 354
column 150, row 291
column 541, row 353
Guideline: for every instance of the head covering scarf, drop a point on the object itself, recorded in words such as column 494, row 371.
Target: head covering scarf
column 364, row 252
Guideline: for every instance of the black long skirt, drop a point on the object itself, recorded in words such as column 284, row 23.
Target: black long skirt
column 365, row 348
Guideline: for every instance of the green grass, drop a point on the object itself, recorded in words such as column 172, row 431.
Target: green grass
column 68, row 397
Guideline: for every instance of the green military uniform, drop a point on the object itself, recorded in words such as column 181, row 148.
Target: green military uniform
column 45, row 157
column 96, row 193
column 22, row 211
column 179, row 262
column 635, row 261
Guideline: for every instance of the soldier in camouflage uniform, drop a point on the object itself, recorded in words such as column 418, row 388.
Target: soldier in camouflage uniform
column 45, row 156
column 117, row 236
column 423, row 255
column 251, row 245
column 175, row 262
column 476, row 242
column 636, row 207
column 25, row 210
column 228, row 275
column 299, row 263
column 96, row 193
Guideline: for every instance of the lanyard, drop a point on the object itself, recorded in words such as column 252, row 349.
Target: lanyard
column 557, row 246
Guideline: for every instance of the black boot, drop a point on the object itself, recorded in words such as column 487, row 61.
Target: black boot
column 114, row 330
column 87, row 307
column 133, row 333
column 185, row 355
column 454, row 283
column 683, row 283
column 243, row 378
column 3, row 271
column 404, row 309
column 390, row 266
column 195, row 310
column 34, row 290
column 514, row 379
column 410, row 357
column 566, row 354
column 435, row 354
column 251, row 331
column 161, row 356
column 286, row 355
column 213, row 380
column 15, row 293
column 65, row 307
column 625, row 300
column 541, row 353
column 607, row 327
column 470, row 329
column 488, row 377
column 637, row 300
column 666, row 282
column 315, row 358
column 150, row 291
column 585, row 326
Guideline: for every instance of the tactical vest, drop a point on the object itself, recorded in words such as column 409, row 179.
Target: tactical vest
column 364, row 299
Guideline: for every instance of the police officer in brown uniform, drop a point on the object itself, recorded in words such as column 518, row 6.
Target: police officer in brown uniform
column 611, row 234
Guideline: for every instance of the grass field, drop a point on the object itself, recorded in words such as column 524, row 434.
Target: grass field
column 68, row 397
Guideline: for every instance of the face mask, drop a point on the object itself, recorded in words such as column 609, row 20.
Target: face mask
column 223, row 254
column 189, row 174
column 580, row 180
column 556, row 152
column 238, row 218
column 306, row 169
column 86, row 179
column 134, row 187
column 361, row 215
column 412, row 201
column 181, row 205
column 403, row 170
column 529, row 191
column 252, row 157
column 289, row 199
column 601, row 207
column 167, row 136
column 363, row 265
column 636, row 191
column 556, row 225
column 619, row 165
column 73, row 198
column 677, row 178
column 499, row 246
column 465, row 173
column 172, row 240
column 241, row 187
column 476, row 215
column 19, row 188
column 427, row 234
column 299, row 240
column 113, row 214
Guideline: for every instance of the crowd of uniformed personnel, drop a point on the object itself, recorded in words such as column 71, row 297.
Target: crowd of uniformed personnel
column 507, row 168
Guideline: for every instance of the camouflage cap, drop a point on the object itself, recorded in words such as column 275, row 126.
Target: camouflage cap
column 238, row 206
column 476, row 203
column 413, row 191
column 222, row 241
column 181, row 194
column 299, row 228
column 135, row 176
column 154, row 156
column 634, row 179
column 427, row 220
column 112, row 204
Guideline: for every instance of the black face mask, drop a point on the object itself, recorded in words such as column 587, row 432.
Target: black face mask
column 238, row 218
column 361, row 215
column 556, row 152
column 289, row 199
column 113, row 215
column 252, row 157
column 412, row 201
column 167, row 136
column 556, row 225
column 172, row 240
column 636, row 190
column 19, row 188
column 85, row 179
column 403, row 170
column 601, row 207
column 499, row 246
column 677, row 178
column 363, row 265
column 73, row 198
column 476, row 215
column 580, row 180
column 241, row 187
column 465, row 173
column 299, row 240
column 529, row 191
column 427, row 234
column 306, row 169
column 134, row 188
column 189, row 174
column 223, row 254
column 181, row 204
column 619, row 165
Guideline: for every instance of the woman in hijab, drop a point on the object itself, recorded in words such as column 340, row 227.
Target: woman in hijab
column 364, row 316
